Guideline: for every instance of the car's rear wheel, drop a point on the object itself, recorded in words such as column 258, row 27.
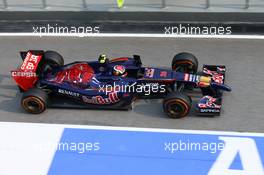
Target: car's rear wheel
column 177, row 105
column 51, row 60
column 34, row 101
column 185, row 62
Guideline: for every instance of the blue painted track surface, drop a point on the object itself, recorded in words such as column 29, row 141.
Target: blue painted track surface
column 132, row 152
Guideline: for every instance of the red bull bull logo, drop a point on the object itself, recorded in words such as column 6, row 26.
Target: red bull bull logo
column 112, row 98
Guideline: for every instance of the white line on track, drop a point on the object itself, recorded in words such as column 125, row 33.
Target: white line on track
column 17, row 125
column 134, row 35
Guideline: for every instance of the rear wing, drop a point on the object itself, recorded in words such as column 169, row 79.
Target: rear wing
column 26, row 75
column 23, row 54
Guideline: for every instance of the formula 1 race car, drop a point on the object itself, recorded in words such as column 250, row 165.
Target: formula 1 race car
column 116, row 83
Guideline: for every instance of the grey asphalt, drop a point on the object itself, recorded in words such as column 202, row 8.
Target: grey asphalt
column 243, row 108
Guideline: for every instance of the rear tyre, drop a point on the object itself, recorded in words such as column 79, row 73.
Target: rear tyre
column 177, row 105
column 51, row 60
column 185, row 62
column 34, row 101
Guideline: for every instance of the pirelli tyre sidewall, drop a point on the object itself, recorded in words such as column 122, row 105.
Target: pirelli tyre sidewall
column 185, row 62
column 177, row 105
column 34, row 101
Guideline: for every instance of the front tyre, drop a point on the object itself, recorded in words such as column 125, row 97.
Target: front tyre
column 177, row 105
column 34, row 101
column 185, row 62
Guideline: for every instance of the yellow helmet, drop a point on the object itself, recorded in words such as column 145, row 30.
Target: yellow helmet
column 102, row 59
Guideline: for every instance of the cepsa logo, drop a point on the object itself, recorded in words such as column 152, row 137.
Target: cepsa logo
column 112, row 98
column 23, row 74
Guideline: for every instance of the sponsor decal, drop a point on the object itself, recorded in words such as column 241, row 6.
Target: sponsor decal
column 210, row 110
column 23, row 74
column 112, row 98
column 208, row 102
column 218, row 79
column 30, row 62
column 163, row 74
column 25, row 77
column 70, row 93
column 219, row 70
column 217, row 76
column 150, row 72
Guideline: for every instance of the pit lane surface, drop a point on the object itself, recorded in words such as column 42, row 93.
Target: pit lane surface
column 242, row 108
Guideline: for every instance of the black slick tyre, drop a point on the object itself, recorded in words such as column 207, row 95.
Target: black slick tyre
column 34, row 101
column 177, row 105
column 185, row 62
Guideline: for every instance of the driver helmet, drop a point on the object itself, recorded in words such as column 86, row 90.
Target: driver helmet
column 119, row 70
column 102, row 59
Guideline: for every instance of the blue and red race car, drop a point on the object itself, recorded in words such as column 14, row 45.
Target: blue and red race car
column 116, row 83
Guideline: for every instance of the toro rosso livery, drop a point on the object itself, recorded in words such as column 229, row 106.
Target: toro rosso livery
column 116, row 83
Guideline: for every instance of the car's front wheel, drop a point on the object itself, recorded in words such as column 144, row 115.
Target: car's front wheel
column 185, row 62
column 177, row 105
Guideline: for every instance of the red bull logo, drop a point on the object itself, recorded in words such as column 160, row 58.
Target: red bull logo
column 112, row 98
